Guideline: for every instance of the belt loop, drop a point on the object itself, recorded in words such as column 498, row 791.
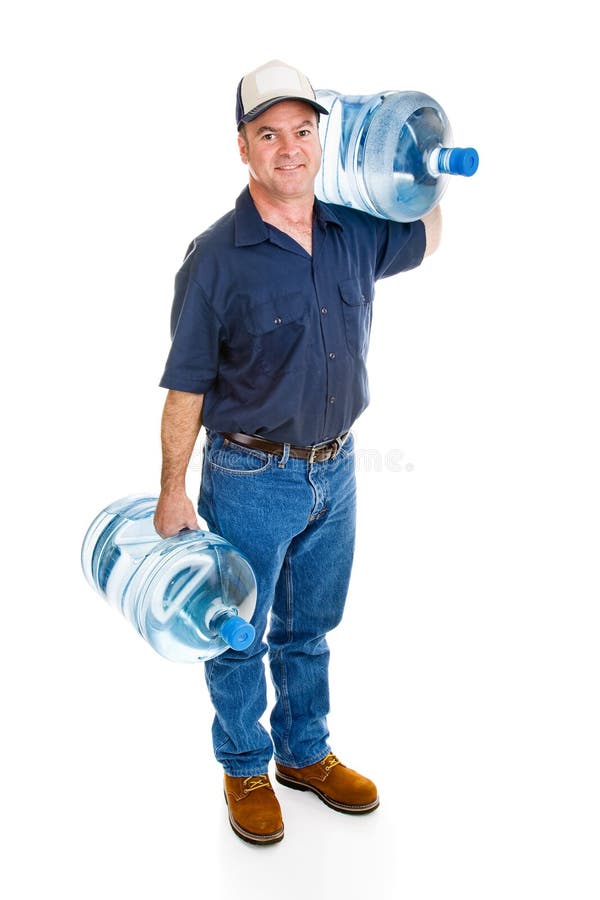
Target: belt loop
column 339, row 443
column 285, row 456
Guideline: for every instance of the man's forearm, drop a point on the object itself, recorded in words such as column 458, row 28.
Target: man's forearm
column 181, row 421
column 433, row 230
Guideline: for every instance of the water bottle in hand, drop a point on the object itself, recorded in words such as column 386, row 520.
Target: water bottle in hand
column 189, row 596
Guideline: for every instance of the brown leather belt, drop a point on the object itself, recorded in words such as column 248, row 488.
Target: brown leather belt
column 317, row 453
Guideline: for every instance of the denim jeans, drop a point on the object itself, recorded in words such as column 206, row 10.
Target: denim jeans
column 295, row 521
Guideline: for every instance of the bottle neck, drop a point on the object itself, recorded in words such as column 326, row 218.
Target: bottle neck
column 453, row 161
column 228, row 624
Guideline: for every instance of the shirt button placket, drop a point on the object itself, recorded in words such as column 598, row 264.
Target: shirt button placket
column 326, row 327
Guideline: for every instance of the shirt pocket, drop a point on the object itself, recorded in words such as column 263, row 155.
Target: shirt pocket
column 357, row 308
column 277, row 327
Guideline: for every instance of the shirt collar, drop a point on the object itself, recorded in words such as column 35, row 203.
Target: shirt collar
column 250, row 228
column 325, row 214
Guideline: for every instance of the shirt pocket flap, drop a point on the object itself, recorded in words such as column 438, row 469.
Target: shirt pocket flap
column 353, row 294
column 273, row 314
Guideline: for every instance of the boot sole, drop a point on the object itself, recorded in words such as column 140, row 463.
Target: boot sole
column 353, row 809
column 249, row 836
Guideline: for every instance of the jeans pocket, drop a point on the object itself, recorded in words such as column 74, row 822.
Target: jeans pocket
column 225, row 456
column 347, row 449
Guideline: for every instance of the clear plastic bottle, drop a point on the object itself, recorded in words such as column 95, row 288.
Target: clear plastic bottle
column 189, row 595
column 388, row 154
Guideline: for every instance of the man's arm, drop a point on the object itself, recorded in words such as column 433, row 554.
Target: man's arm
column 181, row 421
column 433, row 230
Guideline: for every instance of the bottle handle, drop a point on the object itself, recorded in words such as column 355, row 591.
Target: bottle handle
column 202, row 529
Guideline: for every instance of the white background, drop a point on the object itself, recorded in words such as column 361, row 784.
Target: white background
column 465, row 673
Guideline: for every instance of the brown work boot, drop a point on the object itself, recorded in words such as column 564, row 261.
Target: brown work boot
column 336, row 785
column 254, row 811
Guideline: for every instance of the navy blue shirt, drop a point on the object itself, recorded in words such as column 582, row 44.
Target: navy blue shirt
column 277, row 339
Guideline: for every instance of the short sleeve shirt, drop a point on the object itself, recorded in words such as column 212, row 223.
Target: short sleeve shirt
column 277, row 339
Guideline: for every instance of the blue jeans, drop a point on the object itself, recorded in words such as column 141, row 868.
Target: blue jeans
column 295, row 521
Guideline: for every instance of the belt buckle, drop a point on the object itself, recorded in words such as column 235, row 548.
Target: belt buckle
column 312, row 454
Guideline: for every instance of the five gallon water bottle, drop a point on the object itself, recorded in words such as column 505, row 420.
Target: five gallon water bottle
column 189, row 595
column 388, row 154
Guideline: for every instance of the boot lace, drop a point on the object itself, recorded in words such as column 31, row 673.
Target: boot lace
column 330, row 762
column 254, row 782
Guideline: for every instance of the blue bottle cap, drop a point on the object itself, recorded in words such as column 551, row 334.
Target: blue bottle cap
column 237, row 633
column 462, row 161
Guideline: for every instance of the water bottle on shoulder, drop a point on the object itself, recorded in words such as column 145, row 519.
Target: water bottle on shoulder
column 389, row 154
column 189, row 596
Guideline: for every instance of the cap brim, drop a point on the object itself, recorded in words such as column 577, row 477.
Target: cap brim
column 263, row 107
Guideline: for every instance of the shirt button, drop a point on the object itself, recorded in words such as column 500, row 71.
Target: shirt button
column 324, row 310
column 332, row 399
column 277, row 320
column 332, row 355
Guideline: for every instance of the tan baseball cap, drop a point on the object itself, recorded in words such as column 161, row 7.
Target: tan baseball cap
column 270, row 84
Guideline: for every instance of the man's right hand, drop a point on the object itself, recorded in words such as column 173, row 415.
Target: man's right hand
column 174, row 511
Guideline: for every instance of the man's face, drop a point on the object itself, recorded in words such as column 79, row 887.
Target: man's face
column 282, row 150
